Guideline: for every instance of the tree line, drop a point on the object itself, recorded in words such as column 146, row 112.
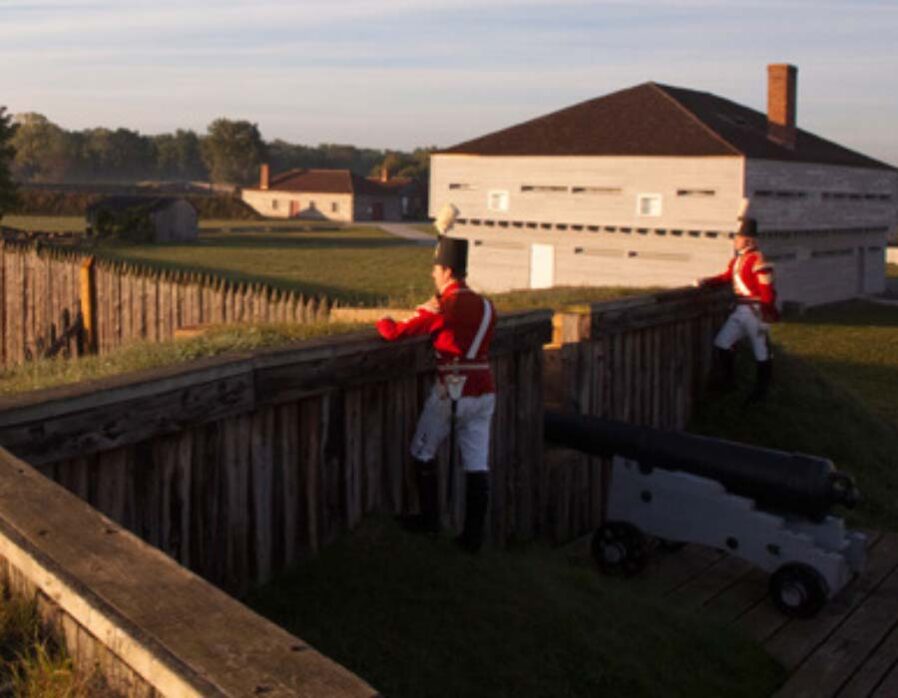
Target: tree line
column 230, row 151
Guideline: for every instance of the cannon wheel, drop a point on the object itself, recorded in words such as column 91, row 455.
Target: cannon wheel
column 798, row 590
column 619, row 548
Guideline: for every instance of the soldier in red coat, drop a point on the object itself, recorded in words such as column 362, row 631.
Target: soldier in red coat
column 460, row 324
column 752, row 279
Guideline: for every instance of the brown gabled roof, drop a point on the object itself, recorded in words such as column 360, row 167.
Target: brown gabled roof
column 326, row 182
column 653, row 119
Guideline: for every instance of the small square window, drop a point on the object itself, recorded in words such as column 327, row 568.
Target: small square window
column 497, row 200
column 648, row 205
column 274, row 204
column 335, row 207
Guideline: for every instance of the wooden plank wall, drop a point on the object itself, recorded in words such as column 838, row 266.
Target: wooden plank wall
column 643, row 360
column 243, row 471
column 40, row 299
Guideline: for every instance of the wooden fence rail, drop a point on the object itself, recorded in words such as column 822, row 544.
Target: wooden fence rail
column 239, row 466
column 42, row 299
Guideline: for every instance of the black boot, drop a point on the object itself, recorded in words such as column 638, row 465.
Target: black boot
column 477, row 498
column 762, row 384
column 428, row 521
column 724, row 370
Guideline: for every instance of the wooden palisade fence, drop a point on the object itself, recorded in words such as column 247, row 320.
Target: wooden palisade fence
column 239, row 466
column 42, row 298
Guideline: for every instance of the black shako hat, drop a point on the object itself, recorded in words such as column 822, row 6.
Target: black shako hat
column 453, row 253
column 749, row 228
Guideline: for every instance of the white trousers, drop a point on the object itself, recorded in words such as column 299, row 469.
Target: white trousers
column 745, row 321
column 472, row 428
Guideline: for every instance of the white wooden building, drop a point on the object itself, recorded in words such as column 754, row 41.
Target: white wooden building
column 642, row 187
column 335, row 195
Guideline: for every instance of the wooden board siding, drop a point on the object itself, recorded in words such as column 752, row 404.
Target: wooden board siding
column 478, row 175
column 786, row 210
column 676, row 247
column 623, row 248
column 500, row 257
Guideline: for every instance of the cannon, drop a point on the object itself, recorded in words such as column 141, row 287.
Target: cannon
column 771, row 508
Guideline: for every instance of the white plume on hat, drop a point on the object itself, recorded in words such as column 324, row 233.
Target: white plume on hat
column 446, row 219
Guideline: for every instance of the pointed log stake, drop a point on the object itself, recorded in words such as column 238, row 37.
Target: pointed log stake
column 89, row 303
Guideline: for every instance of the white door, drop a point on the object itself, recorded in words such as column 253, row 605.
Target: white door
column 542, row 266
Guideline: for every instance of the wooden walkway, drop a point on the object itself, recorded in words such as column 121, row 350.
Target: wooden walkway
column 849, row 649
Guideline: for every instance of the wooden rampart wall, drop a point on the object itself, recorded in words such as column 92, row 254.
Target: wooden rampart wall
column 150, row 627
column 238, row 467
column 41, row 298
column 644, row 360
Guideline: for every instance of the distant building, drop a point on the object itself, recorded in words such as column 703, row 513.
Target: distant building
column 336, row 195
column 143, row 218
column 641, row 187
column 411, row 192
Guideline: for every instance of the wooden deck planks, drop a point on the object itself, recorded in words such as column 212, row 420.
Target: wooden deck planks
column 849, row 650
column 714, row 581
column 794, row 643
column 828, row 650
column 737, row 600
column 874, row 670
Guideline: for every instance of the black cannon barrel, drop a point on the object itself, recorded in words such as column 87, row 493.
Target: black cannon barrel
column 776, row 480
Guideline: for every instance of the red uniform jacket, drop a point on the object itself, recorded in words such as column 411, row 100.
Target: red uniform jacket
column 461, row 332
column 752, row 279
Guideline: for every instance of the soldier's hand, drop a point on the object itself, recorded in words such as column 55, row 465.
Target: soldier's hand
column 431, row 305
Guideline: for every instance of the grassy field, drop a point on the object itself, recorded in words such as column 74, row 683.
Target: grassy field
column 892, row 271
column 417, row 619
column 45, row 224
column 836, row 372
column 358, row 265
column 32, row 663
column 47, row 373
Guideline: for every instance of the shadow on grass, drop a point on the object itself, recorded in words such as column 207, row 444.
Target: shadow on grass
column 416, row 618
column 808, row 412
column 855, row 313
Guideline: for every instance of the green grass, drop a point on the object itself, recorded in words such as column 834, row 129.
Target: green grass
column 45, row 224
column 418, row 619
column 32, row 663
column 892, row 271
column 47, row 373
column 561, row 296
column 358, row 266
column 836, row 372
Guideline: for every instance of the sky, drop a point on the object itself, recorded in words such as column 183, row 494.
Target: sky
column 408, row 73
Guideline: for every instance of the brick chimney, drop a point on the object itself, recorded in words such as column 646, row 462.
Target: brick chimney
column 782, row 87
column 384, row 174
column 263, row 176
